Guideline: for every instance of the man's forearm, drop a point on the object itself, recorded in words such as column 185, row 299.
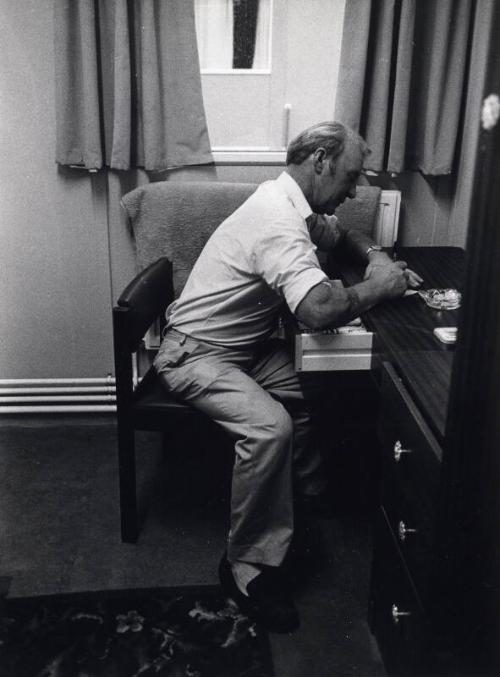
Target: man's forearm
column 359, row 298
column 354, row 244
column 332, row 306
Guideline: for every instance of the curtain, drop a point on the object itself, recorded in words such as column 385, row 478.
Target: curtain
column 402, row 80
column 481, row 50
column 128, row 87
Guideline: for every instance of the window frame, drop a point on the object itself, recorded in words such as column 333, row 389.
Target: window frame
column 281, row 120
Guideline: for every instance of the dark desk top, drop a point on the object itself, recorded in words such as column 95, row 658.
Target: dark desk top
column 404, row 331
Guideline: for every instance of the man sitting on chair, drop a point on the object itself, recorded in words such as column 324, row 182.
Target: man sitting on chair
column 218, row 352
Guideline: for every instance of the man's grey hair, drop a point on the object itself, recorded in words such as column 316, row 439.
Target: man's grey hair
column 331, row 136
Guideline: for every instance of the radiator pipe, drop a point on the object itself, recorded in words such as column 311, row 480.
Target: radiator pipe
column 50, row 409
column 57, row 398
column 58, row 390
column 109, row 380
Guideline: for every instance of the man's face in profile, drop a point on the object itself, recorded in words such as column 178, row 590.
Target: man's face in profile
column 336, row 184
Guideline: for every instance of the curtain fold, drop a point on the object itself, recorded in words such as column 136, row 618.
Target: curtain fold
column 128, row 86
column 402, row 80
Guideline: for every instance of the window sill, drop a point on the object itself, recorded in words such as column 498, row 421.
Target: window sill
column 248, row 156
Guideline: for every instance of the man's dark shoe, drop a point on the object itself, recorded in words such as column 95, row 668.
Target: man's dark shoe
column 267, row 601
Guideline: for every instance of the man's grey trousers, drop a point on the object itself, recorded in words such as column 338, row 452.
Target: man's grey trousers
column 259, row 399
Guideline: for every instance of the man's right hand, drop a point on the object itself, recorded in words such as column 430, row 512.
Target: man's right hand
column 391, row 279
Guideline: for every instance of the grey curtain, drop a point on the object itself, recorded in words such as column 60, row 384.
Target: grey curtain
column 402, row 80
column 128, row 88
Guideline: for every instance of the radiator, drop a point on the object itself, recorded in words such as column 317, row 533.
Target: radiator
column 57, row 395
column 386, row 228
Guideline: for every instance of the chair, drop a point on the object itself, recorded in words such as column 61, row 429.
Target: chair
column 174, row 219
column 170, row 223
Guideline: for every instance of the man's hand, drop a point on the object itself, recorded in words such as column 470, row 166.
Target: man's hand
column 390, row 278
column 381, row 259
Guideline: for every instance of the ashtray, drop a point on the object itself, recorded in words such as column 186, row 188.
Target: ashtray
column 441, row 299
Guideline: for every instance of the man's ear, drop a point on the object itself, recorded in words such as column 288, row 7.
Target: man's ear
column 320, row 157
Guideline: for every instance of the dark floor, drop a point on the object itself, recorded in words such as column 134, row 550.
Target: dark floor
column 59, row 532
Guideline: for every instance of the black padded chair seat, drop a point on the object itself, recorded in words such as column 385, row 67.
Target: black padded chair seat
column 152, row 400
column 151, row 394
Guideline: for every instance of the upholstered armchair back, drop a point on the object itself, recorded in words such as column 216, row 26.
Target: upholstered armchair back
column 175, row 219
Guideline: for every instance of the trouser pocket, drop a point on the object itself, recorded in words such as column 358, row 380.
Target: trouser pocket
column 174, row 350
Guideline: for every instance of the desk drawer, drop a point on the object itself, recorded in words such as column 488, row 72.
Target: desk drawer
column 413, row 528
column 411, row 460
column 411, row 454
column 328, row 351
column 397, row 618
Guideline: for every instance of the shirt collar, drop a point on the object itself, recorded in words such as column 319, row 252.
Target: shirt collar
column 295, row 194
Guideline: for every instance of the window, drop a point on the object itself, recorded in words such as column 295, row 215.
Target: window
column 233, row 35
column 289, row 83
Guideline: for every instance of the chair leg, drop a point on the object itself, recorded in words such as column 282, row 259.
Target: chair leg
column 128, row 494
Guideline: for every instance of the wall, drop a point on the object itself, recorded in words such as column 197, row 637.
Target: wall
column 66, row 253
column 315, row 26
column 425, row 208
column 54, row 263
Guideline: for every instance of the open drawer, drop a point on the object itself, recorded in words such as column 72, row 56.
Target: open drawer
column 343, row 349
column 347, row 348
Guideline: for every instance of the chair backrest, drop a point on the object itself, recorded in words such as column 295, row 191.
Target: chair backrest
column 175, row 219
column 142, row 302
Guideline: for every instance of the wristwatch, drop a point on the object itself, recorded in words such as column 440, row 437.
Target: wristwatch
column 373, row 248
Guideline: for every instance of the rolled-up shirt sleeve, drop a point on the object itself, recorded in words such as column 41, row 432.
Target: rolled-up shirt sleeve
column 286, row 260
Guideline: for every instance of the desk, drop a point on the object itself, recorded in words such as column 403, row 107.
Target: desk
column 404, row 331
column 413, row 369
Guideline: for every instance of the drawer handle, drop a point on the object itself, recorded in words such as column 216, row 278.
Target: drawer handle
column 398, row 450
column 403, row 531
column 397, row 614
